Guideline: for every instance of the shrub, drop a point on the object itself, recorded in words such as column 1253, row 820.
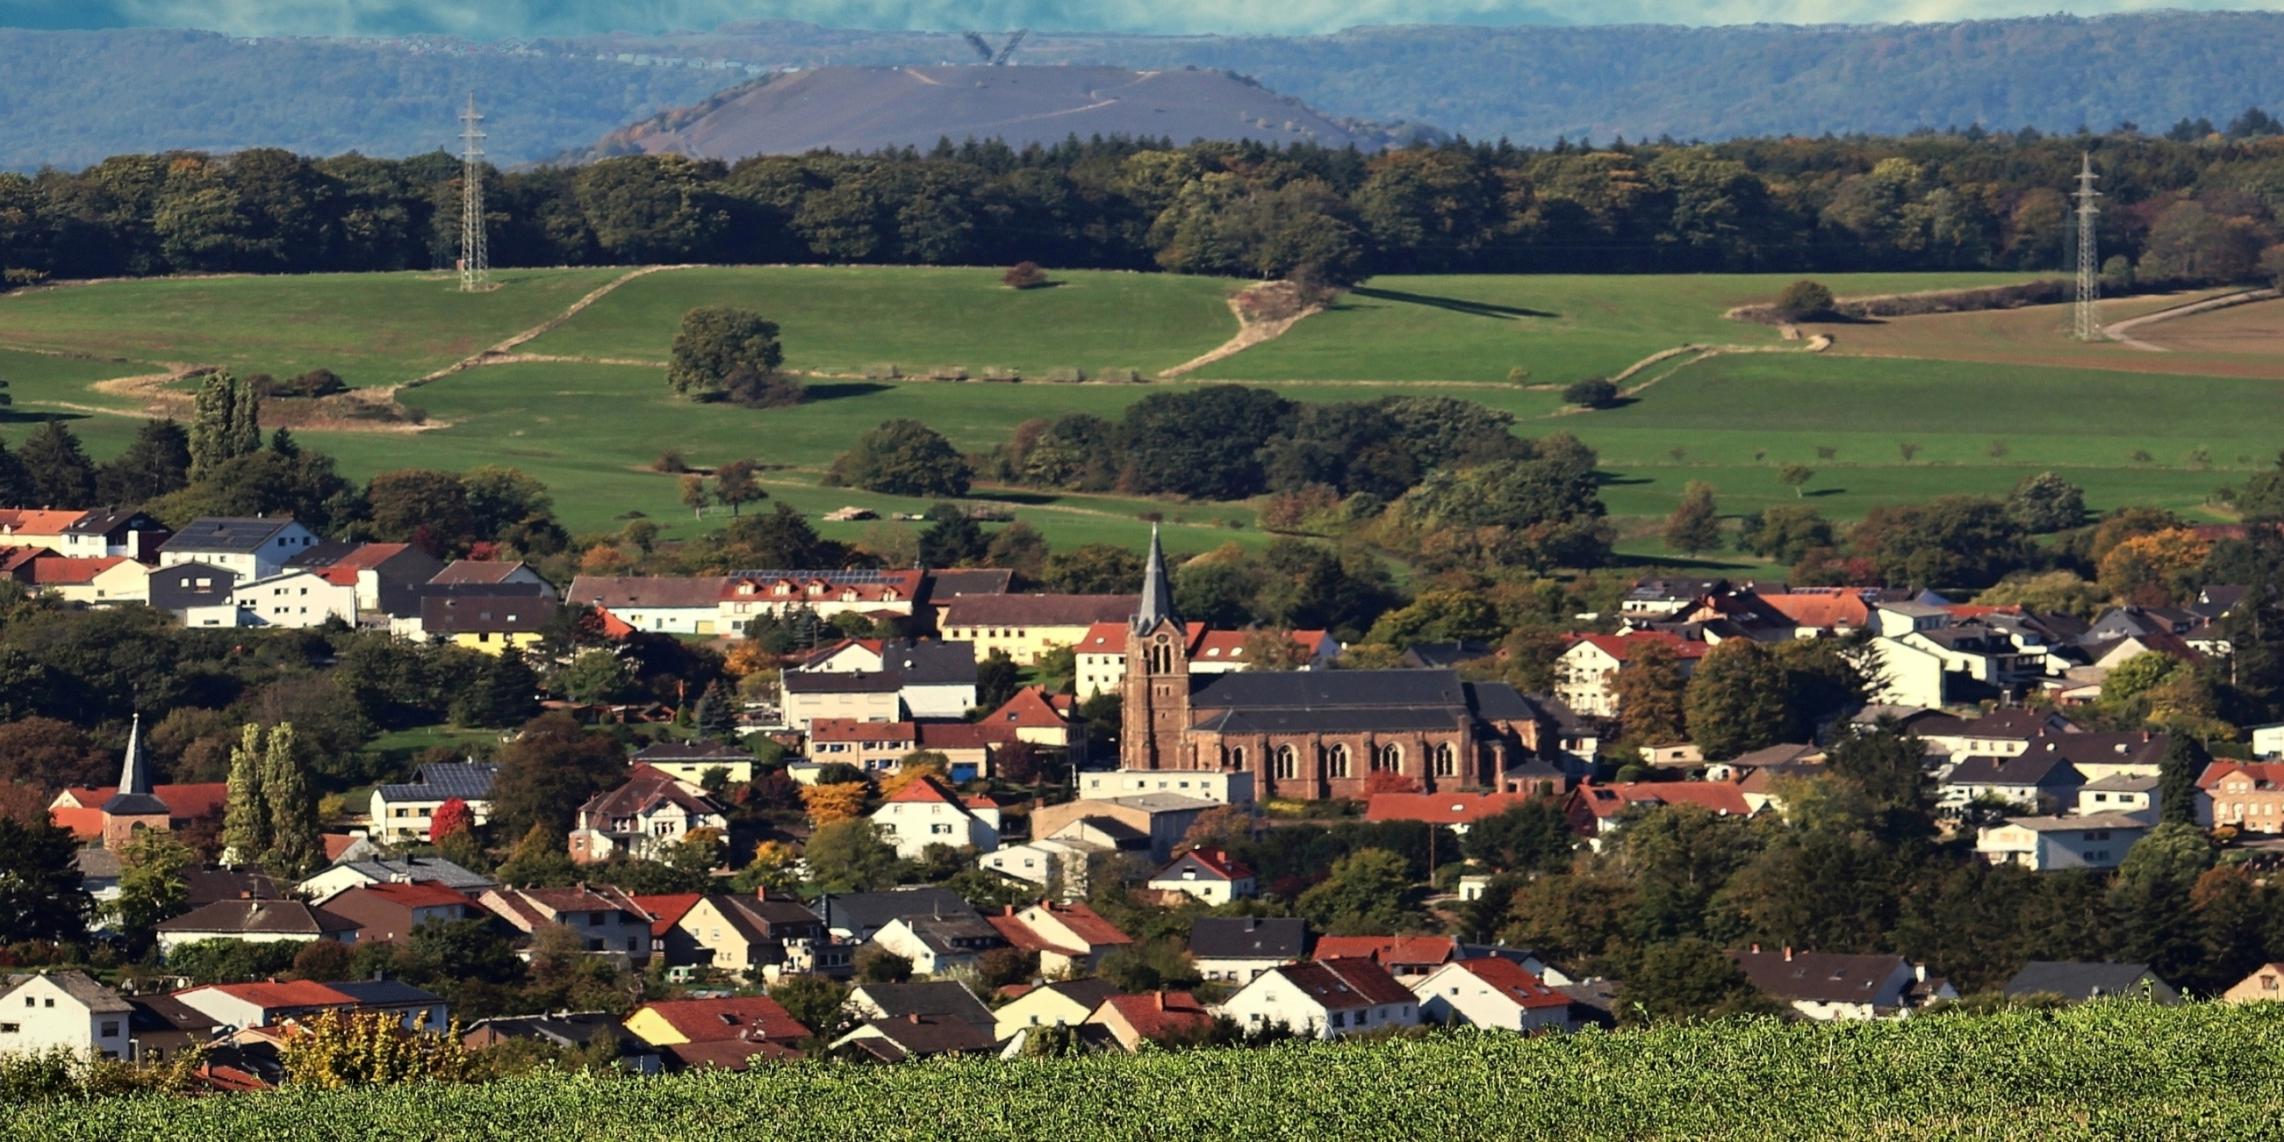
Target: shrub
column 1024, row 275
column 1593, row 392
column 670, row 462
column 1804, row 299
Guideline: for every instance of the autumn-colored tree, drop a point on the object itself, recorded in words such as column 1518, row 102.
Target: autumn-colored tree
column 603, row 559
column 1695, row 524
column 826, row 804
column 1272, row 648
column 1390, row 781
column 775, row 868
column 337, row 1049
column 451, row 817
column 918, row 764
column 2154, row 569
column 1648, row 691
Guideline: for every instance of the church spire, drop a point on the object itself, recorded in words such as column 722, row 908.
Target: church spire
column 134, row 795
column 1157, row 589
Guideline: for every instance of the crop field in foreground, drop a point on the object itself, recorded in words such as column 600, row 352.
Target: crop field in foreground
column 1977, row 400
column 2104, row 1070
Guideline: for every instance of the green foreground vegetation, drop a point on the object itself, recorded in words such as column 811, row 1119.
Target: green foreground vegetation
column 590, row 417
column 2115, row 1069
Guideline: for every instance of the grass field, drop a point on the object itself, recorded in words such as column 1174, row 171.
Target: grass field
column 849, row 319
column 2100, row 1070
column 1560, row 327
column 1987, row 397
column 372, row 329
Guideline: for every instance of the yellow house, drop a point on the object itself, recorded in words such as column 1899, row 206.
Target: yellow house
column 489, row 622
column 2263, row 986
column 1065, row 1004
column 1024, row 627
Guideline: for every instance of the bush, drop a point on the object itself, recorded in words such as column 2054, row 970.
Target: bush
column 670, row 462
column 1024, row 275
column 1593, row 392
column 1804, row 299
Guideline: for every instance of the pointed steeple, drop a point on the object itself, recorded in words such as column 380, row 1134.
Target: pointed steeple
column 1157, row 589
column 134, row 795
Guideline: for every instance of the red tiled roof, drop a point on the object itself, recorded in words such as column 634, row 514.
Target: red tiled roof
column 183, row 802
column 829, row 586
column 923, row 790
column 337, row 843
column 668, row 909
column 1086, row 924
column 979, row 801
column 1219, row 863
column 14, row 559
column 19, row 521
column 1440, row 808
column 419, row 894
column 1613, row 799
column 1822, row 609
column 270, row 994
column 750, row 1017
column 962, row 735
column 1514, row 981
column 1161, row 1015
column 825, row 654
column 852, row 730
column 1416, row 950
column 1362, row 983
column 2267, row 776
column 1624, row 646
column 1030, row 708
column 58, row 570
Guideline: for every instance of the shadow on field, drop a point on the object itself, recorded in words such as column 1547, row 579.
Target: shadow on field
column 1822, row 492
column 1609, row 481
column 1454, row 304
column 26, row 416
column 1674, row 562
column 835, row 390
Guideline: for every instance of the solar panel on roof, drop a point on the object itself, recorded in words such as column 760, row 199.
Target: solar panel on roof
column 867, row 575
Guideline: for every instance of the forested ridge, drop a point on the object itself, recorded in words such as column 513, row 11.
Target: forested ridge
column 2196, row 204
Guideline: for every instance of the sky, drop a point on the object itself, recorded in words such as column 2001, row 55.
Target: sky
column 491, row 19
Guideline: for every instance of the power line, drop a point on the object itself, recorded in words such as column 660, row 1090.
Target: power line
column 475, row 258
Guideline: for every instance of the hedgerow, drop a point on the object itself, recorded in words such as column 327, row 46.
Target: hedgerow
column 2102, row 1070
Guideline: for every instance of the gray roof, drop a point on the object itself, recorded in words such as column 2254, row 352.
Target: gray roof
column 2124, row 783
column 1332, row 689
column 467, row 780
column 385, row 992
column 943, row 998
column 902, row 664
column 1501, row 702
column 2082, row 981
column 236, row 535
column 640, row 591
column 510, row 608
column 2041, row 772
column 438, row 869
column 1823, row 977
column 1249, row 938
column 563, row 1028
column 1157, row 603
column 77, row 984
column 867, row 911
column 1335, row 721
column 262, row 917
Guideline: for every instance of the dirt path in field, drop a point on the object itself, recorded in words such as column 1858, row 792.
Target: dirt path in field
column 2120, row 332
column 1249, row 334
column 498, row 354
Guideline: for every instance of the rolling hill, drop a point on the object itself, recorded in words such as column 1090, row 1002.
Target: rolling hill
column 870, row 109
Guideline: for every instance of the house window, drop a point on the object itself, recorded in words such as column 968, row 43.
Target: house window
column 110, row 1029
column 1340, row 1019
column 940, row 830
column 10, row 1028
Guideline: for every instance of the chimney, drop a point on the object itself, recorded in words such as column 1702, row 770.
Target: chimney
column 1788, row 953
column 1756, row 949
column 1919, row 972
column 913, row 1018
column 1160, row 996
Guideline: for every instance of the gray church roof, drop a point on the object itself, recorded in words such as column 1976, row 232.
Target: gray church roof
column 1318, row 690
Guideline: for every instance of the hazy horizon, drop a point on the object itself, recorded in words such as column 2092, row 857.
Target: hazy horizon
column 519, row 18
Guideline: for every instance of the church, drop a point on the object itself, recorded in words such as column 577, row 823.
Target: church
column 1311, row 735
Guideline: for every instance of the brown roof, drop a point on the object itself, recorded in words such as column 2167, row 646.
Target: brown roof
column 1344, row 985
column 853, row 730
column 1035, row 610
column 475, row 571
column 645, row 591
column 1440, row 808
column 1158, row 1015
column 646, row 788
column 260, row 917
column 916, row 1035
column 1384, row 950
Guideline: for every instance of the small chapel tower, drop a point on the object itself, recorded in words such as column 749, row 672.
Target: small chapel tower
column 1157, row 697
column 132, row 809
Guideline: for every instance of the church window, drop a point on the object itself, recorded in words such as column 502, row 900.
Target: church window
column 1336, row 761
column 1288, row 763
column 1236, row 758
column 1446, row 760
column 1389, row 758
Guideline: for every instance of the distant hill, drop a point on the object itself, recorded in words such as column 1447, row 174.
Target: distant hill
column 870, row 109
column 71, row 97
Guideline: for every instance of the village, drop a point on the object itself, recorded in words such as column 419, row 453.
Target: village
column 966, row 860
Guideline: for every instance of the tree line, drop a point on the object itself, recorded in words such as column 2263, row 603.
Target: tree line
column 2184, row 207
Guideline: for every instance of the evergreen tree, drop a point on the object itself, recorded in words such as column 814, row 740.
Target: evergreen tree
column 503, row 694
column 2184, row 761
column 715, row 718
column 156, row 464
column 41, row 897
column 245, row 818
column 294, row 844
column 61, row 475
column 15, row 482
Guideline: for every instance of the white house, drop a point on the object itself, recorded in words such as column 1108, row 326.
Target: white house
column 1492, row 992
column 2045, row 844
column 1210, row 875
column 937, row 944
column 2132, row 794
column 402, row 812
column 747, row 595
column 882, row 681
column 355, row 872
column 252, row 548
column 651, row 811
column 2268, row 742
column 294, row 600
column 1583, row 674
column 1101, row 655
column 1330, row 999
column 926, row 813
column 1052, row 863
column 1907, row 675
column 1227, row 788
column 65, row 1009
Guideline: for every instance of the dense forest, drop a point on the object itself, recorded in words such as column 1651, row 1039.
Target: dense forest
column 2190, row 205
column 73, row 97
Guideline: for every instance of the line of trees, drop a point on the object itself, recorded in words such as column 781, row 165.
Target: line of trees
column 2179, row 207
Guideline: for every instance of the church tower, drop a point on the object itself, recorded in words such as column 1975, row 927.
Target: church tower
column 1157, row 694
column 132, row 809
